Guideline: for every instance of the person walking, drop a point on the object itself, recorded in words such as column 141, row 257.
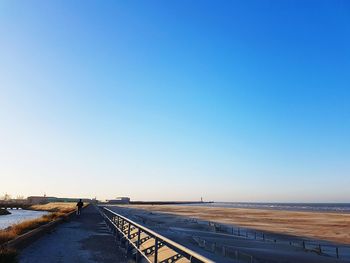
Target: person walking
column 80, row 205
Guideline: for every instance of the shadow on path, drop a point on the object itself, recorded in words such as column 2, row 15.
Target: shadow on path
column 85, row 238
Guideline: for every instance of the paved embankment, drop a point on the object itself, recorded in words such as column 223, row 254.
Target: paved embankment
column 85, row 238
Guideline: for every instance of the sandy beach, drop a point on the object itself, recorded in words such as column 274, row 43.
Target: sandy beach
column 204, row 230
column 317, row 225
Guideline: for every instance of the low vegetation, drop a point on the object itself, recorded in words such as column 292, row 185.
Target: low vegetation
column 55, row 207
column 58, row 210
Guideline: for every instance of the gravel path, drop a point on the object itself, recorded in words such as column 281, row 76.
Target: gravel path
column 84, row 239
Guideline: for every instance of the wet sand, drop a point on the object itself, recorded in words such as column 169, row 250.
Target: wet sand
column 317, row 225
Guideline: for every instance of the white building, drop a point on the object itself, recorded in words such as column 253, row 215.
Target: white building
column 119, row 200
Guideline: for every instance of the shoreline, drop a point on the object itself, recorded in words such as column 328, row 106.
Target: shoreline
column 38, row 216
column 295, row 207
column 19, row 216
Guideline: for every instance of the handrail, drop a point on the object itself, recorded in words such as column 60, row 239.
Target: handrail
column 119, row 222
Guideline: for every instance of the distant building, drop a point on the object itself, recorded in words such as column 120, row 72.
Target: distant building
column 119, row 200
column 35, row 200
column 52, row 199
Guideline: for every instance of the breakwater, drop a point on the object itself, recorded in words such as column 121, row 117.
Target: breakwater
column 167, row 202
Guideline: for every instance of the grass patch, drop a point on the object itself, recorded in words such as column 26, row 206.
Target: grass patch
column 18, row 229
column 55, row 207
column 8, row 255
column 58, row 210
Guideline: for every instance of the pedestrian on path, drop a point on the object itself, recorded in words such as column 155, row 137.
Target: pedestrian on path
column 80, row 205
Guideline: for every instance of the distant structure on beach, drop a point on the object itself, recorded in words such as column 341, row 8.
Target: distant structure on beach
column 126, row 200
column 119, row 200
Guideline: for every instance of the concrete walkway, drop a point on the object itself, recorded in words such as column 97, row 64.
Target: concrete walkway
column 85, row 238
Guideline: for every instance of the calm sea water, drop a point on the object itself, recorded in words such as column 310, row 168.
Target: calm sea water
column 320, row 207
column 18, row 216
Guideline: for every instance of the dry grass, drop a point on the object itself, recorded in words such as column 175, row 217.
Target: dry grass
column 58, row 210
column 55, row 207
column 25, row 226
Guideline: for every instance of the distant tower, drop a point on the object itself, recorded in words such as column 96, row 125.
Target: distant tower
column 201, row 199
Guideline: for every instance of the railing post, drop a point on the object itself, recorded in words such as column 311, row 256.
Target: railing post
column 156, row 250
column 224, row 251
column 138, row 245
column 337, row 251
column 138, row 238
column 129, row 230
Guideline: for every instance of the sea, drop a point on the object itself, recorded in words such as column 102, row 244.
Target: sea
column 316, row 207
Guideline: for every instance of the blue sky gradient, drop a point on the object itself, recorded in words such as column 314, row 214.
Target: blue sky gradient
column 228, row 100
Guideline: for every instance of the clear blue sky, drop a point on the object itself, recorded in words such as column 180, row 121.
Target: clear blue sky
column 228, row 100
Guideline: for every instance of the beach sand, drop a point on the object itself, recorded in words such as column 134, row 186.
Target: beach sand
column 178, row 223
column 317, row 225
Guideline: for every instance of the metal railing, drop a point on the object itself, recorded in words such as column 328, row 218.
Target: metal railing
column 146, row 244
column 325, row 248
column 224, row 250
